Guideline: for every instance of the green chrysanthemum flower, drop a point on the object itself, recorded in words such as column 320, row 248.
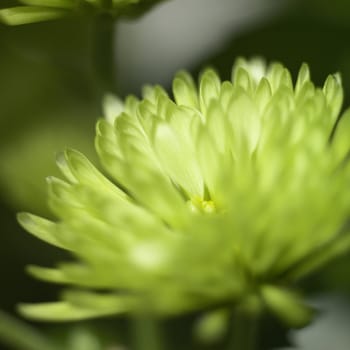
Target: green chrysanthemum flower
column 229, row 193
column 44, row 10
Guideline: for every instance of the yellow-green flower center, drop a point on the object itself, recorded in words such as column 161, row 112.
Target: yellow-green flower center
column 200, row 205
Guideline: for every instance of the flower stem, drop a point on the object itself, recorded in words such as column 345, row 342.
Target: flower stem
column 146, row 334
column 104, row 53
column 244, row 331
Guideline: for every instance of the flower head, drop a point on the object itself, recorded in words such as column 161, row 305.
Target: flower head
column 44, row 10
column 226, row 191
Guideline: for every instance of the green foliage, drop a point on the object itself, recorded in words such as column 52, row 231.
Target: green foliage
column 337, row 11
column 44, row 10
column 218, row 197
column 48, row 102
column 19, row 335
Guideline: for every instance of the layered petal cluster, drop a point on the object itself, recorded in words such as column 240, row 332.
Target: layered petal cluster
column 214, row 194
column 44, row 10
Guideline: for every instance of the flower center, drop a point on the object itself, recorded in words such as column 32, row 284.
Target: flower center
column 200, row 205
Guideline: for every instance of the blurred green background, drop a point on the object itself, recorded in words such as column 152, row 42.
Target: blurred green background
column 49, row 101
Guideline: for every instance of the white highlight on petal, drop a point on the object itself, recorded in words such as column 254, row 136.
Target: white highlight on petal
column 112, row 106
column 148, row 255
column 257, row 69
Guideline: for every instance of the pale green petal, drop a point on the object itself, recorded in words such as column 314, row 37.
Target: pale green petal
column 226, row 94
column 30, row 14
column 185, row 91
column 218, row 126
column 334, row 95
column 47, row 274
column 341, row 141
column 109, row 303
column 152, row 93
column 41, row 228
column 209, row 88
column 84, row 171
column 62, row 164
column 106, row 142
column 143, row 170
column 178, row 161
column 303, row 78
column 210, row 163
column 278, row 76
column 147, row 116
column 319, row 257
column 287, row 305
column 131, row 105
column 165, row 108
column 243, row 80
column 245, row 124
column 166, row 202
column 93, row 277
column 61, row 311
column 263, row 94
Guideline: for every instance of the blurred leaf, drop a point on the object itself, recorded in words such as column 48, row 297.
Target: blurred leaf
column 335, row 11
column 21, row 336
column 52, row 78
column 30, row 157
